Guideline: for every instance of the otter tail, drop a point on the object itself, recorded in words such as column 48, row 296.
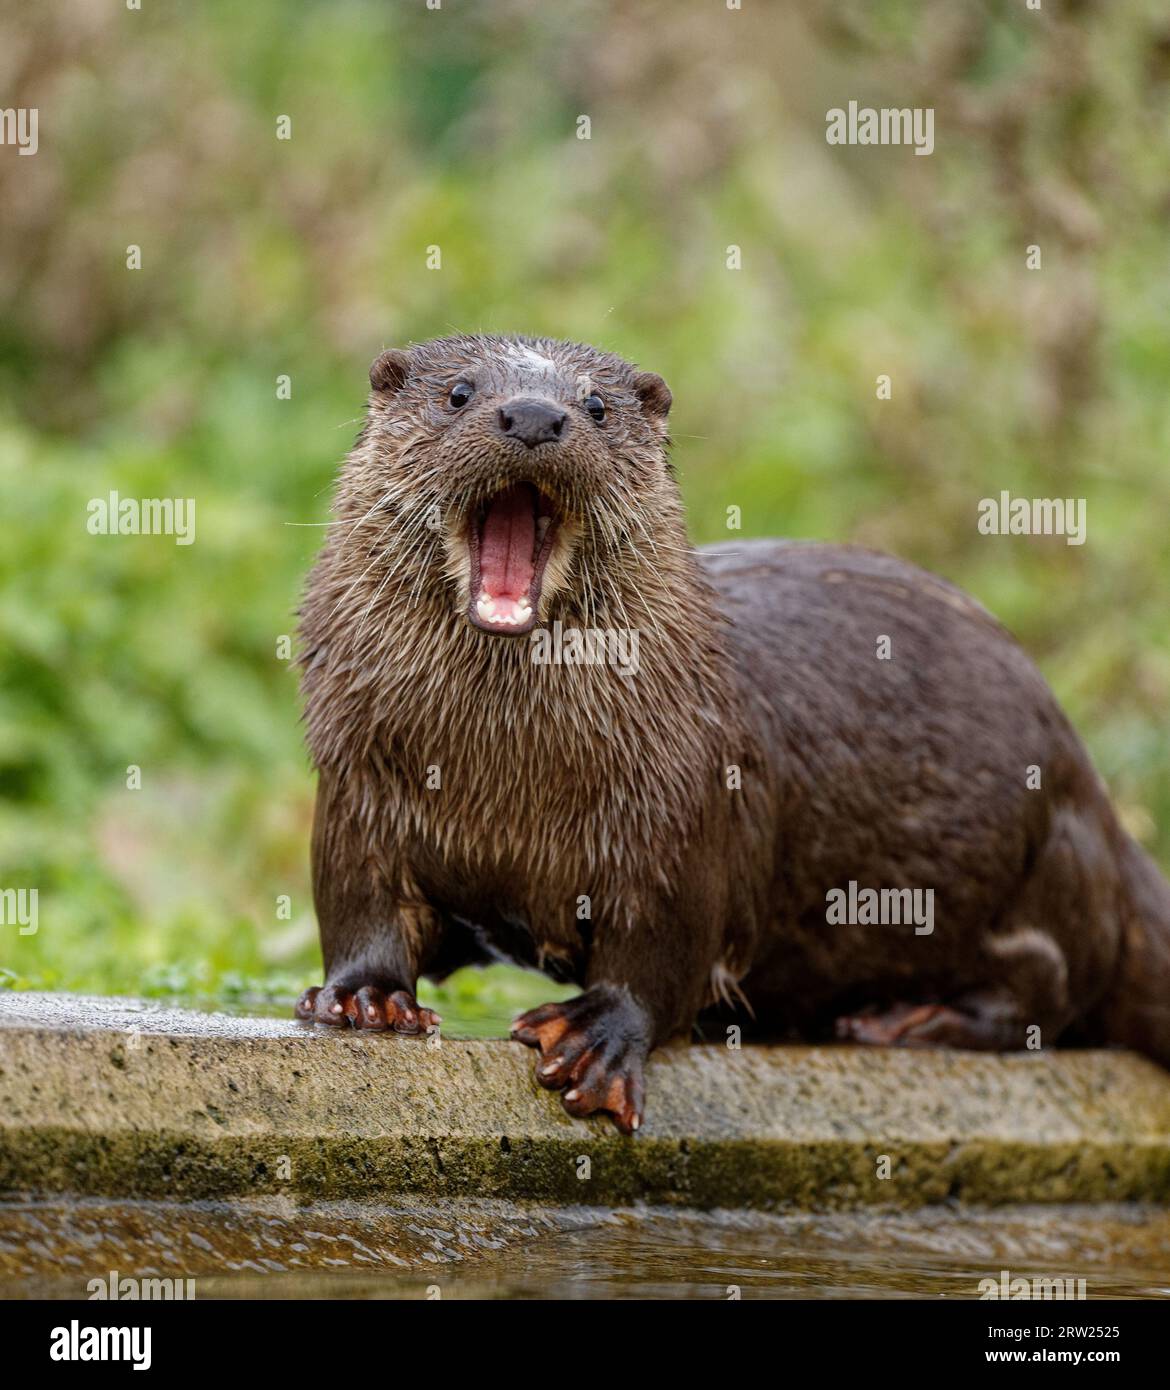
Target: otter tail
column 1135, row 1011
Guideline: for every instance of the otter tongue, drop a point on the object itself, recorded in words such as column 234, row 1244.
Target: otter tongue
column 506, row 544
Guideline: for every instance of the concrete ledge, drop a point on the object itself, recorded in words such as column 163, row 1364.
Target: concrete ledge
column 113, row 1098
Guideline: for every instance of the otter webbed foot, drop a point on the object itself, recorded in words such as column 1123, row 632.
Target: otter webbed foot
column 984, row 1021
column 592, row 1048
column 366, row 1006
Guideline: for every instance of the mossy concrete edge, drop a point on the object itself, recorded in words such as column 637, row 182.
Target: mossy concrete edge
column 115, row 1099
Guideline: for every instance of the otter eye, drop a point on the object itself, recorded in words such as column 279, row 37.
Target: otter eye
column 595, row 406
column 461, row 393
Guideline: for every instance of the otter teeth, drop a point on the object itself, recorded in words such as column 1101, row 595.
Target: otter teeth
column 506, row 612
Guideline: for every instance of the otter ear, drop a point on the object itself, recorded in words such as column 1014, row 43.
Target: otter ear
column 653, row 393
column 389, row 372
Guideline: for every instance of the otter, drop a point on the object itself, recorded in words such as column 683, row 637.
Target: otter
column 806, row 724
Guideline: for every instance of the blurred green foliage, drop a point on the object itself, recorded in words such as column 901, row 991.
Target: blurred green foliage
column 457, row 127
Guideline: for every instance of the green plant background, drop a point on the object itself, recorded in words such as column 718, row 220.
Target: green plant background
column 457, row 127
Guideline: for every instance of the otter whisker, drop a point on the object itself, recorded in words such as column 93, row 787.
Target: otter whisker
column 385, row 531
column 404, row 559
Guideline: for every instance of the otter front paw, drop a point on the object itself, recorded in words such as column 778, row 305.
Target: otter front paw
column 592, row 1048
column 366, row 1006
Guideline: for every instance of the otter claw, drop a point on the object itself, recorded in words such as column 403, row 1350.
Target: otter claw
column 594, row 1046
column 368, row 1007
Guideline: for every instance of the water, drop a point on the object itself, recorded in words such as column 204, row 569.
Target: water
column 270, row 1248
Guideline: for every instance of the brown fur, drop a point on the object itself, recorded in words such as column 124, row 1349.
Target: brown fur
column 563, row 781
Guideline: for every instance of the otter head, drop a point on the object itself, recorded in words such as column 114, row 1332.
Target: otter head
column 536, row 462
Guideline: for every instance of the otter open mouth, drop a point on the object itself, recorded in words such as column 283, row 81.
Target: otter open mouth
column 510, row 539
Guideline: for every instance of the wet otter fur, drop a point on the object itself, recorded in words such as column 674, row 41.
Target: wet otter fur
column 667, row 837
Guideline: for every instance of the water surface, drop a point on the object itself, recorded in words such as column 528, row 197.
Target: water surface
column 270, row 1248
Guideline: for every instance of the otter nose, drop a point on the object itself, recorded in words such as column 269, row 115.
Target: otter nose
column 531, row 421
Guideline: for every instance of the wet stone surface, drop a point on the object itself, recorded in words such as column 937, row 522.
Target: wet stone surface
column 116, row 1099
